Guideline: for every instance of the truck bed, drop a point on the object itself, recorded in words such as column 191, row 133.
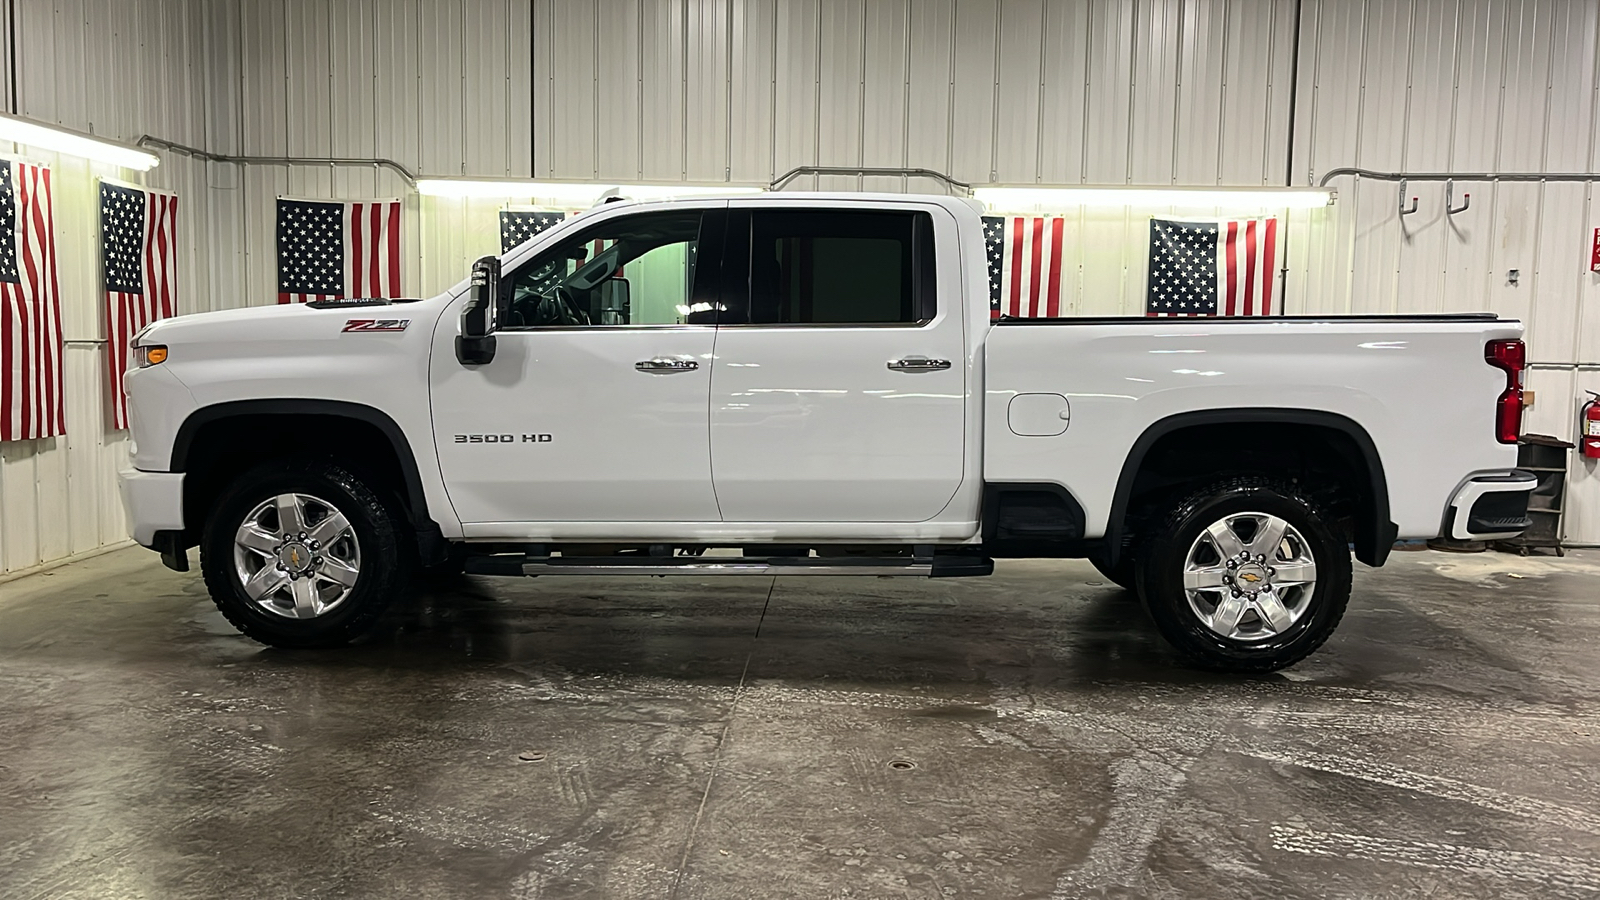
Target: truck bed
column 1417, row 385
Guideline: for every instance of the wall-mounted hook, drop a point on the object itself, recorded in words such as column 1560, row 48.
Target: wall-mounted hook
column 1403, row 210
column 1449, row 192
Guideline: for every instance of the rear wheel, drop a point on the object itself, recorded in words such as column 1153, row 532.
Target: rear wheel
column 1246, row 576
column 302, row 554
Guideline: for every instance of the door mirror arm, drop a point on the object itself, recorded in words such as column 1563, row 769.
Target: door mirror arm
column 475, row 345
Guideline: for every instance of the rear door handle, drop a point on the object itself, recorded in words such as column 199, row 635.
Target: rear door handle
column 662, row 364
column 918, row 364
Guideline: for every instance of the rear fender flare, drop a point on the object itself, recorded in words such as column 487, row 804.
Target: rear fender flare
column 1375, row 534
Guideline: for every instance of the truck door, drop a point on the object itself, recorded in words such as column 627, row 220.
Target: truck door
column 839, row 387
column 594, row 408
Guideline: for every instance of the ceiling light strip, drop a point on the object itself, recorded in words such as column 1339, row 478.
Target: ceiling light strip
column 1027, row 199
column 41, row 136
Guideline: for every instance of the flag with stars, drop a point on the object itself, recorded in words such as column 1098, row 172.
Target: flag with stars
column 518, row 225
column 138, row 244
column 994, row 233
column 1210, row 268
column 338, row 249
column 31, row 404
column 1024, row 265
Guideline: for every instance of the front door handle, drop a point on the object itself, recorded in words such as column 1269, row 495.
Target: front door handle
column 918, row 364
column 666, row 365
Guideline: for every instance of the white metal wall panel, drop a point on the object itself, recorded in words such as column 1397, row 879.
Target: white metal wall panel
column 619, row 142
column 1106, row 134
column 1158, row 32
column 1570, row 121
column 841, row 77
column 518, row 77
column 931, row 70
column 1063, row 100
column 796, row 77
column 972, row 110
column 884, row 89
column 1482, row 46
column 1199, row 117
column 706, row 89
column 754, row 39
column 263, row 75
column 219, row 70
column 487, row 52
column 1015, row 139
column 352, row 79
column 662, row 70
column 575, row 103
column 399, row 82
column 441, row 116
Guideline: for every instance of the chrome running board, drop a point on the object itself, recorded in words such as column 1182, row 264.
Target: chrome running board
column 920, row 566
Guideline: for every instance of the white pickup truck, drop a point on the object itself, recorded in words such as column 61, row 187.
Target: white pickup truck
column 809, row 384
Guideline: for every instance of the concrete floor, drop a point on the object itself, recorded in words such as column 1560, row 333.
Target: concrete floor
column 1025, row 735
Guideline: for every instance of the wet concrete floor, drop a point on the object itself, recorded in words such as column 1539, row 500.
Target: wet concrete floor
column 1026, row 735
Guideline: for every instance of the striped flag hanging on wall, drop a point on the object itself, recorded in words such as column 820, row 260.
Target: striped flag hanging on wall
column 1024, row 265
column 331, row 249
column 30, row 307
column 518, row 225
column 138, row 243
column 1211, row 268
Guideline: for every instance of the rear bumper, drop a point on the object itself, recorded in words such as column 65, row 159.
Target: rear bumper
column 1490, row 506
column 153, row 502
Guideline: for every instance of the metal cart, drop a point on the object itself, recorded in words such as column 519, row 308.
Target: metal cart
column 1546, row 457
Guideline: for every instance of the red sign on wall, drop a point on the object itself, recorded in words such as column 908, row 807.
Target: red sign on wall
column 1594, row 252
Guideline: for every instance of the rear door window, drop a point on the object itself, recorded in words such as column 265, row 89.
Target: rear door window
column 837, row 267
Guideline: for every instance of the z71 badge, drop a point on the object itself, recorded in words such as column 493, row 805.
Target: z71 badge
column 376, row 324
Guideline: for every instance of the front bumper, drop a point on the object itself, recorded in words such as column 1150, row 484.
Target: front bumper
column 1491, row 506
column 153, row 502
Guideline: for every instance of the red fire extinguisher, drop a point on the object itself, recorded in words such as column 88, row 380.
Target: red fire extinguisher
column 1591, row 427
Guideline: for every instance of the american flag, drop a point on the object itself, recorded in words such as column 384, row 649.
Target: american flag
column 1024, row 265
column 335, row 249
column 1211, row 268
column 518, row 225
column 30, row 307
column 138, row 243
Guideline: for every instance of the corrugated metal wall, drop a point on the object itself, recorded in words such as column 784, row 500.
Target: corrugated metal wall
column 991, row 91
column 120, row 70
column 1469, row 86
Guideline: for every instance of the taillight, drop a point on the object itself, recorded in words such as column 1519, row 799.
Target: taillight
column 1511, row 358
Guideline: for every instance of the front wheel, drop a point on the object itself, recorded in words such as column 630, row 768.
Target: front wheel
column 302, row 554
column 1246, row 576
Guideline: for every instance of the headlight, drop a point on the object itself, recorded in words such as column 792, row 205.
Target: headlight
column 149, row 355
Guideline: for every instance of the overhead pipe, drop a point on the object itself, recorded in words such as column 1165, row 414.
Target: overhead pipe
column 164, row 144
column 1457, row 176
column 777, row 183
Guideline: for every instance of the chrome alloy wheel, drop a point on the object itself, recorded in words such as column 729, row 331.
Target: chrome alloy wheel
column 1249, row 576
column 296, row 556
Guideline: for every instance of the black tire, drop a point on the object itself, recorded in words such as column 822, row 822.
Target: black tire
column 378, row 529
column 1160, row 573
column 1122, row 574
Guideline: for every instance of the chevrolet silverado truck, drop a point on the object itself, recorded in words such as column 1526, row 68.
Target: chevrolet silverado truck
column 809, row 384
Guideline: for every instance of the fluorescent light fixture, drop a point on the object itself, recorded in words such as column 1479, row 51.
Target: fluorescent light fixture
column 575, row 193
column 75, row 143
column 1027, row 199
